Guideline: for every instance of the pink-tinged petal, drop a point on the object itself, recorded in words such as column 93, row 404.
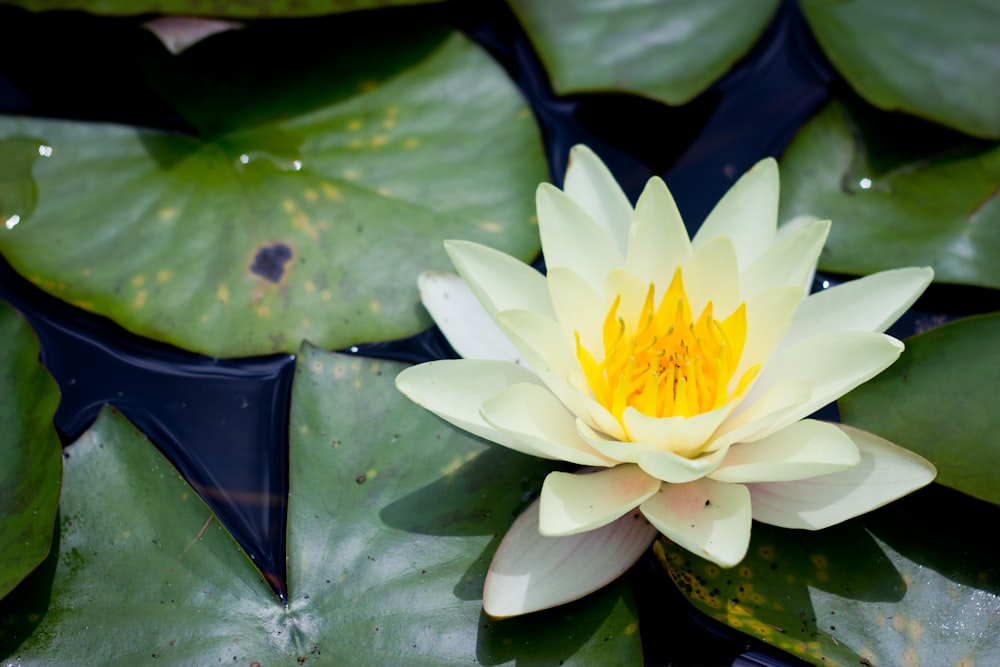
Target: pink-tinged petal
column 886, row 472
column 178, row 33
column 499, row 281
column 611, row 447
column 591, row 185
column 712, row 274
column 455, row 390
column 570, row 239
column 871, row 303
column 791, row 260
column 832, row 364
column 685, row 436
column 675, row 469
column 804, row 449
column 463, row 320
column 532, row 415
column 748, row 213
column 531, row 572
column 708, row 518
column 572, row 504
column 658, row 241
column 576, row 307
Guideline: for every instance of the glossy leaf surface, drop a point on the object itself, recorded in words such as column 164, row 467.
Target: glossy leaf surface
column 254, row 234
column 939, row 399
column 668, row 51
column 913, row 583
column 939, row 61
column 393, row 519
column 899, row 194
column 30, row 455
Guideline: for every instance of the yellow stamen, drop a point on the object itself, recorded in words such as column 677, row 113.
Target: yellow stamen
column 666, row 363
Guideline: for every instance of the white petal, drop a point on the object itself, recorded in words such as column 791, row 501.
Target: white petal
column 712, row 274
column 670, row 467
column 574, row 503
column 708, row 518
column 686, row 436
column 463, row 320
column 760, row 414
column 804, row 449
column 531, row 572
column 871, row 303
column 577, row 308
column 886, row 472
column 611, row 447
column 832, row 364
column 531, row 414
column 455, row 390
column 498, row 280
column 658, row 241
column 769, row 314
column 791, row 260
column 591, row 185
column 632, row 289
column 572, row 240
column 748, row 213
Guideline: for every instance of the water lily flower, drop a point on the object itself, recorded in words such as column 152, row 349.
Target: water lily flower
column 678, row 371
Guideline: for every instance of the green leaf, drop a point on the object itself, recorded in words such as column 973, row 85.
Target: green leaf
column 670, row 51
column 914, row 583
column 30, row 455
column 938, row 399
column 393, row 519
column 937, row 60
column 899, row 195
column 227, row 8
column 306, row 209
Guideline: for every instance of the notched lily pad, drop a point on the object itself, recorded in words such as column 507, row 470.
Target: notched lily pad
column 899, row 194
column 939, row 399
column 30, row 455
column 393, row 519
column 667, row 51
column 306, row 207
column 912, row 583
column 939, row 61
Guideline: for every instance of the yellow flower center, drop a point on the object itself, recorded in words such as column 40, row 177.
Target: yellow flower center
column 667, row 364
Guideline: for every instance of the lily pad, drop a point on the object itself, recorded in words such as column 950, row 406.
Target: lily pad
column 937, row 60
column 31, row 458
column 899, row 195
column 393, row 519
column 938, row 399
column 667, row 51
column 229, row 8
column 304, row 209
column 913, row 583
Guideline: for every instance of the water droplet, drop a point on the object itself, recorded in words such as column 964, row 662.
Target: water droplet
column 12, row 221
column 865, row 183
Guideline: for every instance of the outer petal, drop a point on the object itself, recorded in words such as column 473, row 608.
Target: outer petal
column 614, row 448
column 748, row 213
column 498, row 280
column 791, row 260
column 591, row 185
column 455, row 389
column 885, row 473
column 832, row 364
column 708, row 518
column 804, row 449
column 871, row 303
column 577, row 307
column 574, row 503
column 463, row 320
column 658, row 241
column 572, row 240
column 531, row 572
column 532, row 415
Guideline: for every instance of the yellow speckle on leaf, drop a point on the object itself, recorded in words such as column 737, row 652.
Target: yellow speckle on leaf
column 411, row 142
column 330, row 191
column 492, row 227
column 910, row 658
column 85, row 272
column 204, row 318
column 388, row 123
column 898, row 622
column 289, row 206
column 140, row 299
column 263, row 311
column 916, row 629
column 164, row 276
column 351, row 174
column 223, row 293
column 392, row 112
column 354, row 125
column 306, row 324
column 355, row 143
column 374, row 306
column 379, row 140
column 533, row 220
column 325, row 295
column 304, row 429
column 338, row 371
column 138, row 280
column 310, row 195
column 166, row 214
column 316, row 366
column 630, row 629
column 310, row 286
column 524, row 114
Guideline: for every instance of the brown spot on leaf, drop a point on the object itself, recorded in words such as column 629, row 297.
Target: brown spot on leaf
column 270, row 260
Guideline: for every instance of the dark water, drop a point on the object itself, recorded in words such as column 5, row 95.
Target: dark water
column 224, row 422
